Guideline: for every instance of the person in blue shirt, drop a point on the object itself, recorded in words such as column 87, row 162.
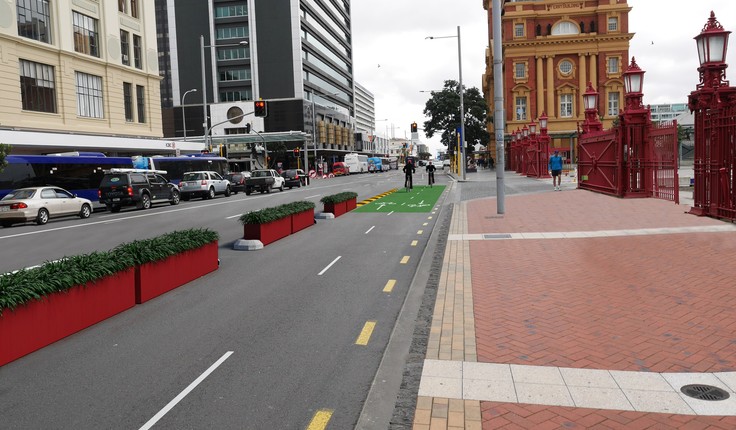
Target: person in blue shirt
column 555, row 165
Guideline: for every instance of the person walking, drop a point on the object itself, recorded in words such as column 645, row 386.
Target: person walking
column 430, row 173
column 409, row 170
column 555, row 166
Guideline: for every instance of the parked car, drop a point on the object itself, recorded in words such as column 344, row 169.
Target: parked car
column 445, row 163
column 237, row 181
column 136, row 187
column 339, row 168
column 39, row 204
column 205, row 184
column 264, row 181
column 294, row 178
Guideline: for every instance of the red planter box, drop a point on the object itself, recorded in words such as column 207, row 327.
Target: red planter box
column 336, row 209
column 154, row 279
column 39, row 323
column 351, row 204
column 269, row 232
column 302, row 220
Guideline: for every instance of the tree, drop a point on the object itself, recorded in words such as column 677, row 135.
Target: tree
column 425, row 155
column 443, row 110
column 4, row 151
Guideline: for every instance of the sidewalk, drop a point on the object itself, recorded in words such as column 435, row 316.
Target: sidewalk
column 577, row 310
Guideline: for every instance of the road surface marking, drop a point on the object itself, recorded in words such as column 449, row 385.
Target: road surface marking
column 186, row 391
column 414, row 242
column 311, row 197
column 420, row 232
column 365, row 334
column 320, row 420
column 369, row 230
column 389, row 286
column 389, row 213
column 234, row 216
column 405, row 259
column 329, row 265
column 425, row 224
column 429, row 217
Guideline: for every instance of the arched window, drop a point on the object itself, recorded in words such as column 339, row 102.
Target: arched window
column 565, row 27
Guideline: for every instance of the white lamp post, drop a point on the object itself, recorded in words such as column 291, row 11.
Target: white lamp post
column 183, row 111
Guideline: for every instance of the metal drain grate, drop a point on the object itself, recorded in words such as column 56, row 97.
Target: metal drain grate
column 704, row 392
column 497, row 236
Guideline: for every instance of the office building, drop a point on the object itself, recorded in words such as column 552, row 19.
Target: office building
column 295, row 54
column 552, row 49
column 80, row 75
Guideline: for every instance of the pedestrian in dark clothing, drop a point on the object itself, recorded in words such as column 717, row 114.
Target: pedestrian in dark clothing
column 430, row 173
column 409, row 170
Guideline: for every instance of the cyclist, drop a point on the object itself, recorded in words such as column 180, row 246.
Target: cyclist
column 408, row 171
column 430, row 173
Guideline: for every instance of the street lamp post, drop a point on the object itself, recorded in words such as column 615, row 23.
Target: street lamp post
column 460, row 88
column 184, row 112
column 204, row 76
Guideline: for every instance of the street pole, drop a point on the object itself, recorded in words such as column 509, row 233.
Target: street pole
column 314, row 130
column 462, row 107
column 204, row 89
column 498, row 121
column 183, row 111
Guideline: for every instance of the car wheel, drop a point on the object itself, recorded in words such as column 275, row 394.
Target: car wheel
column 281, row 188
column 115, row 209
column 42, row 217
column 85, row 212
column 145, row 202
column 185, row 197
column 7, row 224
column 175, row 198
column 268, row 190
column 227, row 191
column 211, row 193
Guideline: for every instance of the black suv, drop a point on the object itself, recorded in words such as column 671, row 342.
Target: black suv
column 137, row 188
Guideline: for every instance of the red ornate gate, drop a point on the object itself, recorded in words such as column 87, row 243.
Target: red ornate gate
column 599, row 163
column 662, row 162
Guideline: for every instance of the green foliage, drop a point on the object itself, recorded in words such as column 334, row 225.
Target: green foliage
column 339, row 197
column 162, row 247
column 443, row 110
column 29, row 284
column 266, row 215
column 4, row 151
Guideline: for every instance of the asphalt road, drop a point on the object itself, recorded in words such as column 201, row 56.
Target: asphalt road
column 268, row 341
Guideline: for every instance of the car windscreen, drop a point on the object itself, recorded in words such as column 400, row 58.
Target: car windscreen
column 192, row 176
column 289, row 174
column 114, row 180
column 19, row 194
column 260, row 174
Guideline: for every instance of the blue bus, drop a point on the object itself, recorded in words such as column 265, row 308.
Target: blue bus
column 81, row 173
column 375, row 164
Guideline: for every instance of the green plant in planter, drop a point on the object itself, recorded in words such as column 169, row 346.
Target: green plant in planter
column 25, row 285
column 266, row 215
column 164, row 246
column 339, row 197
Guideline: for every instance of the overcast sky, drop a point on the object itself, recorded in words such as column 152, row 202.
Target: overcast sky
column 394, row 61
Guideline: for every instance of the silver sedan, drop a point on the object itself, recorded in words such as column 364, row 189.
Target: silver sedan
column 39, row 204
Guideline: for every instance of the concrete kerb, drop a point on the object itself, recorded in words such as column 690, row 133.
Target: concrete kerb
column 247, row 245
column 324, row 215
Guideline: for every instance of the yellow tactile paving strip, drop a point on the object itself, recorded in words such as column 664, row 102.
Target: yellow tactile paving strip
column 452, row 334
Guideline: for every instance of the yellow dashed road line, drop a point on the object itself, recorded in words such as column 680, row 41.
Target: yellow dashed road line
column 414, row 242
column 404, row 260
column 365, row 334
column 320, row 420
column 420, row 232
column 389, row 286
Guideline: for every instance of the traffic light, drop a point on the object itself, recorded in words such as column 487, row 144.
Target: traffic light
column 260, row 108
column 223, row 151
column 296, row 152
column 247, row 127
column 413, row 127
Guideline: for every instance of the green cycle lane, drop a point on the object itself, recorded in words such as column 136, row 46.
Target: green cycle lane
column 421, row 199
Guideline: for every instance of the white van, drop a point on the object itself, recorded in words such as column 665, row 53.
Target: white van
column 356, row 163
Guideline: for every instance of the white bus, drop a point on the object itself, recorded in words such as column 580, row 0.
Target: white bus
column 356, row 163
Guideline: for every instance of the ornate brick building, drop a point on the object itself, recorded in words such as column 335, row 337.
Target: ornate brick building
column 552, row 49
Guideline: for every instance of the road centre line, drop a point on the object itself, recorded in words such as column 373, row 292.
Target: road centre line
column 369, row 230
column 320, row 419
column 311, row 197
column 186, row 391
column 365, row 334
column 329, row 265
column 389, row 286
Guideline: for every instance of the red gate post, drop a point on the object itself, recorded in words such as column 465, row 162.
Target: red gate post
column 543, row 143
column 635, row 122
column 517, row 165
column 524, row 147
column 533, row 152
column 713, row 104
